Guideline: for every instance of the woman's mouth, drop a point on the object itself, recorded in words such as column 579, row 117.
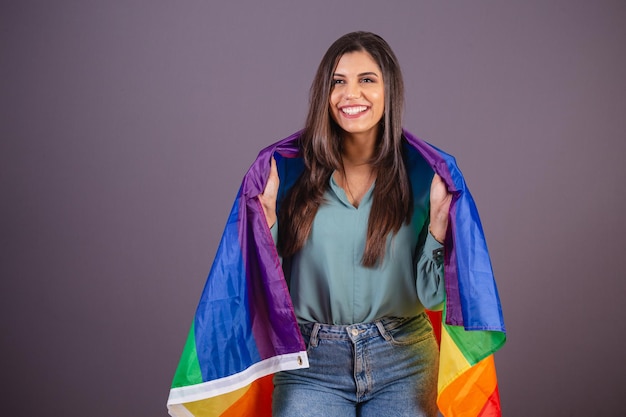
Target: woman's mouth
column 353, row 110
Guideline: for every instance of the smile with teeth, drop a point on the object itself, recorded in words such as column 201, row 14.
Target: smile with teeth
column 353, row 110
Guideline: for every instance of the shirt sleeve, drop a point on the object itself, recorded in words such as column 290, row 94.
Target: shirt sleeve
column 429, row 283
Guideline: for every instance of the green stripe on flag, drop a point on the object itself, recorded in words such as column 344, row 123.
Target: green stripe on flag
column 476, row 345
column 188, row 371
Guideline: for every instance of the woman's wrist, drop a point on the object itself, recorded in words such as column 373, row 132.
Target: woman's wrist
column 438, row 232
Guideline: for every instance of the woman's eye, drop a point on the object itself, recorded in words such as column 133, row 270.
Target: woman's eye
column 367, row 80
column 337, row 81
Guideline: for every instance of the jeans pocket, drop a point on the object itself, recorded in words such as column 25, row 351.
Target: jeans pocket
column 412, row 331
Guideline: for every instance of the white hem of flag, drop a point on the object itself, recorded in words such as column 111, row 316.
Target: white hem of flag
column 234, row 382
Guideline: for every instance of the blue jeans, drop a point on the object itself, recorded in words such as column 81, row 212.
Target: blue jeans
column 387, row 368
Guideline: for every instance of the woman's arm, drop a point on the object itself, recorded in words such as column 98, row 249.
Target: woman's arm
column 430, row 284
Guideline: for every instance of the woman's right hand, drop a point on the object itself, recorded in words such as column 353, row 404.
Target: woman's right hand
column 268, row 197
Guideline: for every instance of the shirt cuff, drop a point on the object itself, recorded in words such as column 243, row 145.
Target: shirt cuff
column 433, row 249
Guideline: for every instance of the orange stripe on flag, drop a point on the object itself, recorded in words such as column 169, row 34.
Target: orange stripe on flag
column 472, row 393
column 257, row 402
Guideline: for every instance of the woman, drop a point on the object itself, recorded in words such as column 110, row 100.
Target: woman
column 361, row 235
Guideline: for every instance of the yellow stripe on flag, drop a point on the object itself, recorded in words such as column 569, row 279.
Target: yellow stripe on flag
column 452, row 362
column 215, row 406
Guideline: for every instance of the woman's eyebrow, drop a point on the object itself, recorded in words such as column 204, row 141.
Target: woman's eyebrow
column 336, row 74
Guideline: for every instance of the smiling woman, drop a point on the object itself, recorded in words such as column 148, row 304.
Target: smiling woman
column 336, row 247
column 360, row 303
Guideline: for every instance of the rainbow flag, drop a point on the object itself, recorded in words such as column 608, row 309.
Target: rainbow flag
column 245, row 330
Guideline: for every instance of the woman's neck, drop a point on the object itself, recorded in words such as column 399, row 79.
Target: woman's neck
column 357, row 150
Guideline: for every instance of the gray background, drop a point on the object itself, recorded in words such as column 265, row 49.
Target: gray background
column 126, row 127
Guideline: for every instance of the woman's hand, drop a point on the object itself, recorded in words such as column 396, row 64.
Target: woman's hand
column 268, row 197
column 440, row 200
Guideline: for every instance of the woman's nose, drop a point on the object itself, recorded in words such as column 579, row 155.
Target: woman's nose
column 353, row 91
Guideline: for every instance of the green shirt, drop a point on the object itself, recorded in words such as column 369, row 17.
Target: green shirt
column 328, row 284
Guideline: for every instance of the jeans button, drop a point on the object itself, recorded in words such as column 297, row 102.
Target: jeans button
column 355, row 332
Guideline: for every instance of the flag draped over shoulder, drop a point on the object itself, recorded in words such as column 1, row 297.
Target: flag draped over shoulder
column 245, row 329
column 471, row 327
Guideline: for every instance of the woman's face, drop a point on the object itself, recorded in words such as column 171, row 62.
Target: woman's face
column 357, row 97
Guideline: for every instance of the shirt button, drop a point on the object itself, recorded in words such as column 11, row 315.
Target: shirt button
column 355, row 332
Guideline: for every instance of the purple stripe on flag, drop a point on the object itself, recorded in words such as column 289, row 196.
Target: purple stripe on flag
column 274, row 324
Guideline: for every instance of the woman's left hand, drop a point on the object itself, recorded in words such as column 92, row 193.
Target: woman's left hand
column 268, row 197
column 440, row 200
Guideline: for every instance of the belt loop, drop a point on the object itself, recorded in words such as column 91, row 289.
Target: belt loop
column 382, row 330
column 313, row 341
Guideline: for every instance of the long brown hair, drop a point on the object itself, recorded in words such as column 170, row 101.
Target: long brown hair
column 320, row 146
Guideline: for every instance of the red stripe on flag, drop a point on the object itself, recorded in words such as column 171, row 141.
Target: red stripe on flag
column 492, row 407
column 435, row 320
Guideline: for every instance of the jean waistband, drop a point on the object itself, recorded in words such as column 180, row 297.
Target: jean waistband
column 357, row 331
